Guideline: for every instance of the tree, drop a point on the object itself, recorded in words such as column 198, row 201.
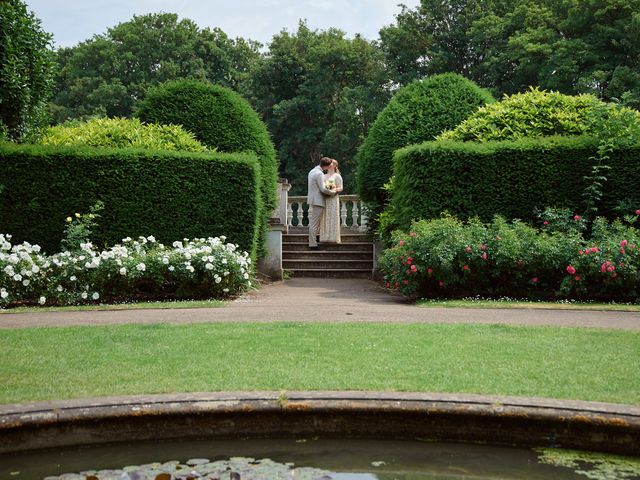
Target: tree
column 318, row 92
column 107, row 74
column 27, row 68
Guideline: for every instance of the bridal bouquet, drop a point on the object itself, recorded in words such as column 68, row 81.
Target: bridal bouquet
column 330, row 184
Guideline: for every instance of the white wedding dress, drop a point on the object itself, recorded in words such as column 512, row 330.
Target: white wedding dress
column 330, row 224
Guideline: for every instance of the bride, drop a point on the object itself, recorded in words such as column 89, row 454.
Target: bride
column 330, row 225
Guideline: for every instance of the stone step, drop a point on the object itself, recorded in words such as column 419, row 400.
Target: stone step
column 322, row 255
column 345, row 237
column 340, row 247
column 343, row 230
column 329, row 264
column 335, row 273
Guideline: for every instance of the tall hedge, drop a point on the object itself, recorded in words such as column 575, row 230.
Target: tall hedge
column 219, row 118
column 510, row 178
column 171, row 195
column 417, row 112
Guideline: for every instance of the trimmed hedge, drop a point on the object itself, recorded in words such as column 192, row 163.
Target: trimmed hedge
column 171, row 195
column 219, row 118
column 510, row 178
column 418, row 112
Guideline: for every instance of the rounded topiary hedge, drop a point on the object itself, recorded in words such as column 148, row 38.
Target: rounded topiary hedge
column 538, row 113
column 221, row 119
column 417, row 113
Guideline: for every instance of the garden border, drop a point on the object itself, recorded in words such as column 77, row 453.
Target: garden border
column 467, row 418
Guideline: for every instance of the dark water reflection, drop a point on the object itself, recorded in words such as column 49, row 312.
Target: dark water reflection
column 352, row 459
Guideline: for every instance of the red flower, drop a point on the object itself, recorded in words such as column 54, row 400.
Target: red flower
column 466, row 267
column 577, row 217
column 484, row 256
column 534, row 279
column 468, row 249
column 623, row 243
column 571, row 270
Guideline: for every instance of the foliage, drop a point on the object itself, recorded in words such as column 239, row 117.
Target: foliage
column 446, row 257
column 511, row 178
column 106, row 74
column 417, row 113
column 595, row 466
column 319, row 93
column 221, row 119
column 200, row 268
column 538, row 113
column 79, row 228
column 27, row 67
column 121, row 133
column 585, row 47
column 170, row 195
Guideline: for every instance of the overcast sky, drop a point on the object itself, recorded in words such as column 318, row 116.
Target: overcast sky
column 72, row 21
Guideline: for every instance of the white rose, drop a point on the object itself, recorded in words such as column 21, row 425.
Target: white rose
column 165, row 260
column 9, row 270
column 73, row 278
column 28, row 273
column 218, row 279
column 171, row 268
column 95, row 295
column 224, row 261
column 35, row 269
column 225, row 273
column 246, row 276
column 141, row 267
column 26, row 282
column 17, row 277
column 208, row 266
column 225, row 290
column 4, row 294
column 123, row 271
column 190, row 268
column 84, row 295
column 59, row 288
column 42, row 300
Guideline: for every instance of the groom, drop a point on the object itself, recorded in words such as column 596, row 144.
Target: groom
column 315, row 199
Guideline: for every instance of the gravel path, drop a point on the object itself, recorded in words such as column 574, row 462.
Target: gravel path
column 326, row 300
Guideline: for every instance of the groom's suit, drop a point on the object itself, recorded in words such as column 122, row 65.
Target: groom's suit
column 316, row 192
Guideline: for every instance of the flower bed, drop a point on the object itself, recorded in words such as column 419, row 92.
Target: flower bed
column 447, row 257
column 199, row 268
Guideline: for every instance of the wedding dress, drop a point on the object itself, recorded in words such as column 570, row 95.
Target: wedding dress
column 330, row 225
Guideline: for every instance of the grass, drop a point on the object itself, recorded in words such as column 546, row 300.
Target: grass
column 570, row 363
column 120, row 306
column 566, row 305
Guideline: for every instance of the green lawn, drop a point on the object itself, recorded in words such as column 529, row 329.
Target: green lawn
column 120, row 306
column 58, row 363
column 473, row 303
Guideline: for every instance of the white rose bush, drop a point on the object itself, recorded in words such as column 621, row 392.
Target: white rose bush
column 134, row 269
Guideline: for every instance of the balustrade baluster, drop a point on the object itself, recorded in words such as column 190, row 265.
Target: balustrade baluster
column 343, row 213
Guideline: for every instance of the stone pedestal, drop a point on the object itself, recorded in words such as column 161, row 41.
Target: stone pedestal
column 271, row 264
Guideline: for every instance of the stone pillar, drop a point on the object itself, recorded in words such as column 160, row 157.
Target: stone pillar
column 271, row 264
column 283, row 200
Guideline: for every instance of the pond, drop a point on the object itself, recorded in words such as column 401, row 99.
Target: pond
column 309, row 458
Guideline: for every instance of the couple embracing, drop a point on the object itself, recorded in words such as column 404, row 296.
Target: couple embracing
column 324, row 204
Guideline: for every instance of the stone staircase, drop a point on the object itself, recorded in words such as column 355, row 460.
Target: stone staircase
column 353, row 258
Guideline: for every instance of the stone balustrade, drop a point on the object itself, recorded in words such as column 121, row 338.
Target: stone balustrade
column 353, row 215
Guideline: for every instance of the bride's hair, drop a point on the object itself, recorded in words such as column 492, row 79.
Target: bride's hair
column 336, row 165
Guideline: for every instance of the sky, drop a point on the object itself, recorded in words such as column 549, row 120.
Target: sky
column 72, row 21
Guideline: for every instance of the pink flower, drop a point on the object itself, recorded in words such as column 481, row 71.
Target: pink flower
column 388, row 285
column 429, row 270
column 401, row 243
column 468, row 249
column 638, row 212
column 603, row 267
column 545, row 223
column 577, row 278
column 414, row 268
column 614, row 275
column 483, row 247
column 623, row 243
column 441, row 283
column 484, row 256
column 534, row 279
column 406, row 282
column 466, row 267
column 594, row 250
column 397, row 285
column 577, row 217
column 571, row 270
column 581, row 252
column 622, row 251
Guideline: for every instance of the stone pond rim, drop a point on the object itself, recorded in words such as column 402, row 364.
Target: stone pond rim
column 496, row 420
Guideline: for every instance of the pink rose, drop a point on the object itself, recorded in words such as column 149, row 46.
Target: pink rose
column 388, row 285
column 603, row 267
column 571, row 270
column 614, row 275
column 577, row 217
column 466, row 267
column 468, row 249
column 429, row 270
column 401, row 243
column 577, row 278
column 484, row 256
column 483, row 247
column 534, row 279
column 406, row 282
column 441, row 283
column 594, row 250
column 623, row 243
column 637, row 212
column 414, row 268
column 545, row 223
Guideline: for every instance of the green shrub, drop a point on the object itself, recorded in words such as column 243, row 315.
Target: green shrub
column 219, row 118
column 170, row 195
column 511, row 178
column 121, row 133
column 538, row 113
column 447, row 257
column 417, row 112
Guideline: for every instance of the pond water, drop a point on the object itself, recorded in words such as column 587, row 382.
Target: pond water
column 291, row 459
